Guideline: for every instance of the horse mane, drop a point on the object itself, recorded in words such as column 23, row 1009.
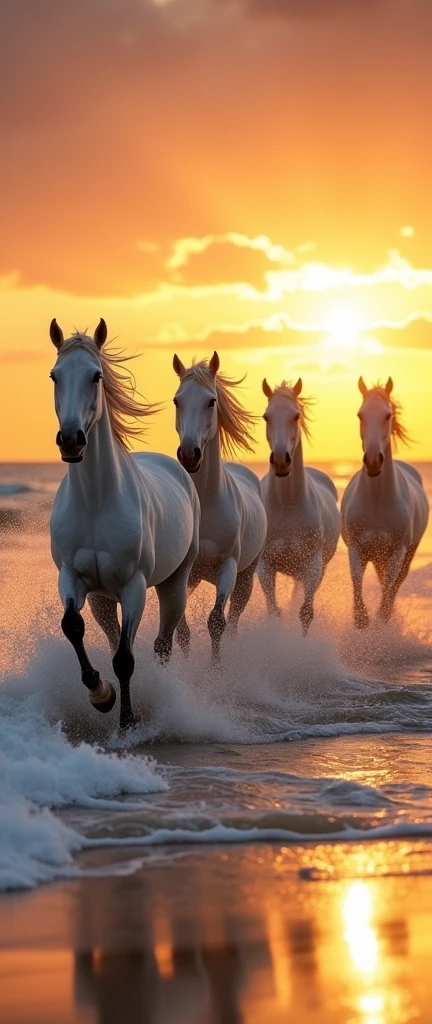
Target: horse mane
column 304, row 404
column 398, row 431
column 234, row 422
column 124, row 409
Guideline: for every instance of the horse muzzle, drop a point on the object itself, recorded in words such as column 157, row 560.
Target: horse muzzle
column 281, row 464
column 189, row 458
column 71, row 444
column 373, row 463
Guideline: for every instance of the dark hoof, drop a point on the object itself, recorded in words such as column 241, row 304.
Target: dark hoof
column 132, row 723
column 104, row 705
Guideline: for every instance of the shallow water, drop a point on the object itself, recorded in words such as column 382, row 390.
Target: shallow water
column 292, row 740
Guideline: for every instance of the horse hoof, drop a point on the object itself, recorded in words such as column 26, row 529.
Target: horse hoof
column 123, row 730
column 107, row 702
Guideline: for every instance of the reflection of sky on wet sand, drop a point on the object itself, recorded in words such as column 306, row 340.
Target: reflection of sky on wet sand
column 243, row 943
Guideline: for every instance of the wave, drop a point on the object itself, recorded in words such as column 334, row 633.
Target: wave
column 14, row 488
column 41, row 771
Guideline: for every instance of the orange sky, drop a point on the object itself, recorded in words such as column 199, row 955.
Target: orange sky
column 251, row 175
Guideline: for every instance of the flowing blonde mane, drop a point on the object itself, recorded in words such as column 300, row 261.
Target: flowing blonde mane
column 398, row 431
column 235, row 423
column 123, row 407
column 304, row 404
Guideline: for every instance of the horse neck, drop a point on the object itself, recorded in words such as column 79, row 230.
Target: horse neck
column 208, row 479
column 289, row 490
column 98, row 476
column 383, row 486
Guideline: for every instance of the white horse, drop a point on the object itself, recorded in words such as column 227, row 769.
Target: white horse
column 385, row 510
column 233, row 521
column 301, row 504
column 120, row 523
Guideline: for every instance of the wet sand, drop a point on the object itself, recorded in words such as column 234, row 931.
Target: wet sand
column 226, row 935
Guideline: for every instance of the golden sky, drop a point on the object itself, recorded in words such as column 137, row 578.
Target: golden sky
column 250, row 175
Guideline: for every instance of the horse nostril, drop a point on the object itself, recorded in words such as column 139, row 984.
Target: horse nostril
column 272, row 459
column 381, row 458
column 58, row 439
column 288, row 458
column 197, row 452
column 81, row 438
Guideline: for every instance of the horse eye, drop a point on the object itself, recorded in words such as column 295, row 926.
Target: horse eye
column 53, row 378
column 175, row 402
column 265, row 417
column 388, row 416
column 359, row 415
column 297, row 416
column 212, row 402
column 97, row 376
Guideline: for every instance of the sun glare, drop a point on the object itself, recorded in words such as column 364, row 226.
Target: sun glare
column 344, row 326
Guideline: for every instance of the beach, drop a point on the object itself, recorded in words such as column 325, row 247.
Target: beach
column 227, row 936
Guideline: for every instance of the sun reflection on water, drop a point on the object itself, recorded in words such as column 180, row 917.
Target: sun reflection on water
column 359, row 932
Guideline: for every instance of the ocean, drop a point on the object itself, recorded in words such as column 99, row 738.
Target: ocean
column 293, row 740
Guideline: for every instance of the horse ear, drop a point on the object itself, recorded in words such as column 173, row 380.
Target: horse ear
column 362, row 387
column 298, row 387
column 178, row 367
column 267, row 389
column 214, row 364
column 389, row 386
column 56, row 334
column 100, row 334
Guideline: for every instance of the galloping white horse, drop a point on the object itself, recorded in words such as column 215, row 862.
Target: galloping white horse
column 302, row 514
column 120, row 523
column 233, row 520
column 384, row 509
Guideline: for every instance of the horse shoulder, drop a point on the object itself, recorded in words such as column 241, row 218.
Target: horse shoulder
column 323, row 480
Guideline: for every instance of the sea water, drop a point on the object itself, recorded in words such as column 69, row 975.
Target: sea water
column 293, row 739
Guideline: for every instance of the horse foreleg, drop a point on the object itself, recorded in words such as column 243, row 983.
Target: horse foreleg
column 241, row 595
column 267, row 578
column 73, row 593
column 132, row 603
column 397, row 570
column 358, row 562
column 216, row 620
column 104, row 611
column 312, row 579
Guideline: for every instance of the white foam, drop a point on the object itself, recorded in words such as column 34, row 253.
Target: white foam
column 41, row 771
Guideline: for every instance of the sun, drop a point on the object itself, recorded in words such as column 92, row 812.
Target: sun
column 344, row 326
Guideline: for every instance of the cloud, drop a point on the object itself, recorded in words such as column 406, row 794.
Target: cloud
column 223, row 259
column 416, row 334
column 275, row 332
column 308, row 9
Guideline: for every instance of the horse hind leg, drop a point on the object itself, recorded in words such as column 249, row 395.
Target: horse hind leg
column 104, row 611
column 241, row 595
column 172, row 596
column 102, row 695
column 183, row 633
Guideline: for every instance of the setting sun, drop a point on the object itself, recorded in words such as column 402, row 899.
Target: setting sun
column 344, row 326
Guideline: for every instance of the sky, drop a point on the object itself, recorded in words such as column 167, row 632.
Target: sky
column 247, row 175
